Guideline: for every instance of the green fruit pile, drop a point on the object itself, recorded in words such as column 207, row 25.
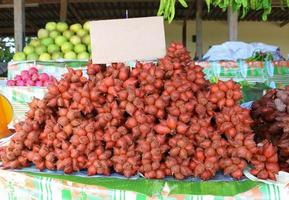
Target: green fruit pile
column 58, row 41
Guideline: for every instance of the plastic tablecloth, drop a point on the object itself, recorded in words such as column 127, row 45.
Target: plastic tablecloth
column 24, row 186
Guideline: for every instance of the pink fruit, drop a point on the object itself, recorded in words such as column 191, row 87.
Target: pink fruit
column 34, row 77
column 18, row 78
column 11, row 83
column 46, row 83
column 33, row 70
column 25, row 77
column 25, row 72
column 30, row 83
column 39, row 84
column 31, row 78
column 43, row 77
column 20, row 83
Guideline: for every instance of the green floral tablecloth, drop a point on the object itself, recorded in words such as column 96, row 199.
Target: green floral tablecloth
column 22, row 186
column 273, row 74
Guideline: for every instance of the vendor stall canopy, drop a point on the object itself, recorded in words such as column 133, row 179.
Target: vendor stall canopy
column 38, row 12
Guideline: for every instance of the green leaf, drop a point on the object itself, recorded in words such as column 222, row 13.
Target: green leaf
column 235, row 6
column 266, row 13
column 244, row 12
column 259, row 4
column 208, row 2
column 253, row 4
column 172, row 11
column 161, row 7
column 224, row 5
column 152, row 187
column 245, row 4
column 183, row 3
column 167, row 9
column 216, row 2
column 5, row 53
column 219, row 188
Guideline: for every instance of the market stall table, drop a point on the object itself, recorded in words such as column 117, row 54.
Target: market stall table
column 31, row 185
column 19, row 185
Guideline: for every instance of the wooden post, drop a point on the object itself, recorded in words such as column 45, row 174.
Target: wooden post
column 19, row 24
column 199, row 40
column 63, row 10
column 232, row 18
column 184, row 33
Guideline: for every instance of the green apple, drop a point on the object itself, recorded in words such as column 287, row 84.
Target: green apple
column 35, row 42
column 83, row 56
column 44, row 57
column 86, row 26
column 60, row 40
column 42, row 33
column 70, row 55
column 28, row 49
column 53, row 48
column 54, row 34
column 68, row 34
column 32, row 56
column 47, row 41
column 51, row 26
column 61, row 26
column 18, row 56
column 81, row 32
column 86, row 39
column 75, row 27
column 75, row 40
column 40, row 49
column 79, row 48
column 66, row 47
column 57, row 55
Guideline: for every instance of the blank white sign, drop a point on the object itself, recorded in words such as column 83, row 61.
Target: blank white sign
column 122, row 40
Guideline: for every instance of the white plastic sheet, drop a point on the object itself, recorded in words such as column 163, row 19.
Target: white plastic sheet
column 238, row 50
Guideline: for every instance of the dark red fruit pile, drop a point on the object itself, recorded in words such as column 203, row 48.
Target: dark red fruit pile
column 271, row 115
column 159, row 119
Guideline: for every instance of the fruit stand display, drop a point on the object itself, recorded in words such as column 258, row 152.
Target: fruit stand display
column 160, row 121
column 168, row 129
